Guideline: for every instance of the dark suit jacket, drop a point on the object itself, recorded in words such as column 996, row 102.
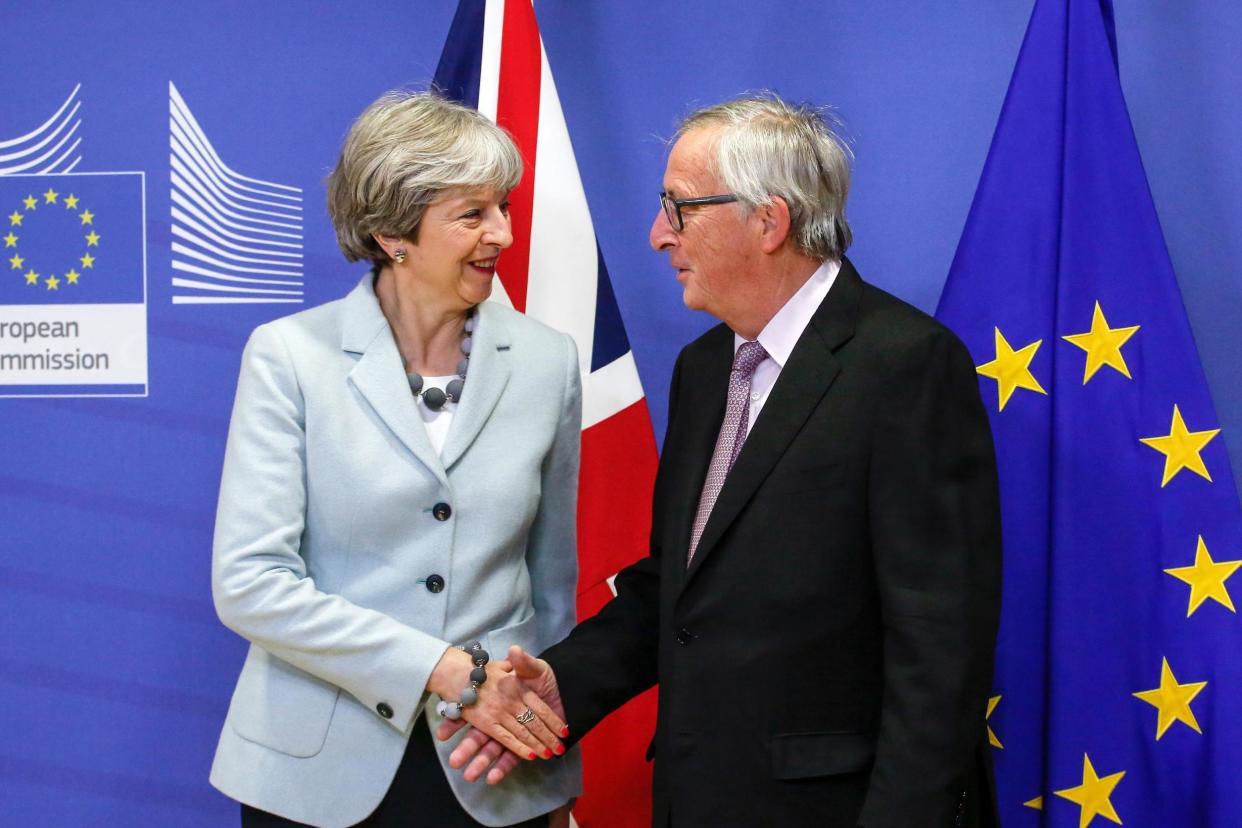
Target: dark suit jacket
column 826, row 658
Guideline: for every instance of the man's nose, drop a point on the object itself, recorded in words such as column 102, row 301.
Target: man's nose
column 662, row 234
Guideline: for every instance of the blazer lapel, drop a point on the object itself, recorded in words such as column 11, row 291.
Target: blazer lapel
column 801, row 385
column 379, row 374
column 486, row 379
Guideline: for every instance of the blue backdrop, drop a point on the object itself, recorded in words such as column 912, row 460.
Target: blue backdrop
column 114, row 673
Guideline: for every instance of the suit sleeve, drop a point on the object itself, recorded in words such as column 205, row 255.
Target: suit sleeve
column 551, row 551
column 613, row 656
column 260, row 583
column 935, row 529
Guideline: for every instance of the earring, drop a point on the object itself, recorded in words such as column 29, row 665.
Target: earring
column 399, row 255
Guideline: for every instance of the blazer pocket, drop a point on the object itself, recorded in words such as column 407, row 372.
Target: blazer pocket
column 281, row 707
column 805, row 478
column 807, row 755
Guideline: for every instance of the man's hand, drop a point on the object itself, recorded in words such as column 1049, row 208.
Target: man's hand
column 478, row 752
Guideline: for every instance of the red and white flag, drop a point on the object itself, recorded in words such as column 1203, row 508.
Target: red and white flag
column 494, row 60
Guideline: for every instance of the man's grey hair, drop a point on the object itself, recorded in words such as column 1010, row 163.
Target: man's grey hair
column 767, row 147
column 404, row 151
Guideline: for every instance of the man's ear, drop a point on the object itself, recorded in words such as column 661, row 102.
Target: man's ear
column 774, row 224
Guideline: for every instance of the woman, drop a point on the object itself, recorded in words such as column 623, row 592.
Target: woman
column 400, row 478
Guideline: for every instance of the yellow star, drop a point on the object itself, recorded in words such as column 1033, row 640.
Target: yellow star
column 1181, row 448
column 92, row 240
column 1011, row 369
column 32, row 278
column 10, row 240
column 31, row 202
column 1206, row 578
column 72, row 277
column 1092, row 796
column 71, row 201
column 50, row 196
column 16, row 262
column 88, row 260
column 992, row 740
column 15, row 219
column 1103, row 345
column 1037, row 803
column 52, row 282
column 1172, row 700
column 87, row 216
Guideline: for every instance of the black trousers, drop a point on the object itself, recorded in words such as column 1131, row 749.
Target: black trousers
column 419, row 797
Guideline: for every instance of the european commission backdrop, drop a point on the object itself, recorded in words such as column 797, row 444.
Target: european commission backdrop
column 161, row 194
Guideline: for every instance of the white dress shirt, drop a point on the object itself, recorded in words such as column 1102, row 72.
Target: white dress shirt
column 782, row 332
column 437, row 422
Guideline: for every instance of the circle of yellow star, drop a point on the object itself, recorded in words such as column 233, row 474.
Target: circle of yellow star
column 71, row 201
column 1206, row 579
column 1092, row 796
column 1011, row 369
column 10, row 240
column 72, row 277
column 50, row 196
column 15, row 219
column 52, row 282
column 992, row 740
column 92, row 239
column 31, row 202
column 32, row 278
column 87, row 216
column 1103, row 345
column 1172, row 700
column 1181, row 448
column 87, row 260
column 16, row 262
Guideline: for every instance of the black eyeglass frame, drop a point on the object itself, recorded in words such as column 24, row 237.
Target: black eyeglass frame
column 674, row 216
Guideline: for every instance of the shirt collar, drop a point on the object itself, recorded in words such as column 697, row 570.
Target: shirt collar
column 785, row 328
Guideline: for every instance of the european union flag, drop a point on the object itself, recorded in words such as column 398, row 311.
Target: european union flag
column 74, row 238
column 1119, row 667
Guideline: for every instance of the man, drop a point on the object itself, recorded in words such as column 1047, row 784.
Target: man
column 821, row 599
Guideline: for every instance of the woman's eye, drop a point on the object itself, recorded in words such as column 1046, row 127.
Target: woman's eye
column 471, row 214
column 504, row 207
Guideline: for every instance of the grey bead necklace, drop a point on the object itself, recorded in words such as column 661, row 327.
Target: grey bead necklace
column 435, row 398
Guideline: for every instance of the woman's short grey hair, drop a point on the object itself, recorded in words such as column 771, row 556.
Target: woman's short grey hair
column 767, row 147
column 404, row 151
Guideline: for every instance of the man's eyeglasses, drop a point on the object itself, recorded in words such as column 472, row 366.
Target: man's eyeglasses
column 672, row 206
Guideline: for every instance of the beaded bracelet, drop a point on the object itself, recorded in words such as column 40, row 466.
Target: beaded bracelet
column 469, row 693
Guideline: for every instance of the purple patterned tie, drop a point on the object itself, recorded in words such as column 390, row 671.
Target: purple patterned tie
column 732, row 435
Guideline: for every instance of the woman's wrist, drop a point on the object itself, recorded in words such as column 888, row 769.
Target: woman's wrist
column 451, row 673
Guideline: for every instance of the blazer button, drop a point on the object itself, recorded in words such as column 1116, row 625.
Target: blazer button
column 683, row 637
column 384, row 710
column 442, row 511
column 435, row 583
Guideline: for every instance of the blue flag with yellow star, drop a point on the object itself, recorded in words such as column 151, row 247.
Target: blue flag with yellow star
column 71, row 238
column 1119, row 663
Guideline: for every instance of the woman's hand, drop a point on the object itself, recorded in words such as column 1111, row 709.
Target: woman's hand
column 502, row 701
column 480, row 754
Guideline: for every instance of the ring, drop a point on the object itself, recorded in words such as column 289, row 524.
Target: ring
column 525, row 716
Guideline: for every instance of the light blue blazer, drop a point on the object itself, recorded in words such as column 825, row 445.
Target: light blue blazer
column 325, row 541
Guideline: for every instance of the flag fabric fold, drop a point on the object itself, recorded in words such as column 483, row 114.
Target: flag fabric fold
column 1119, row 662
column 494, row 60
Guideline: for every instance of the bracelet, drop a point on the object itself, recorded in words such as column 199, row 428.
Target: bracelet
column 469, row 693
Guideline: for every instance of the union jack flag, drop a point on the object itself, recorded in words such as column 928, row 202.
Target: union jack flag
column 494, row 61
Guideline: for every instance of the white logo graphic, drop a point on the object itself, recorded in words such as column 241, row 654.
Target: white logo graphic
column 238, row 239
column 51, row 148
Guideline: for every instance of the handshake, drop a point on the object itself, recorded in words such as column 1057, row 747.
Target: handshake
column 514, row 712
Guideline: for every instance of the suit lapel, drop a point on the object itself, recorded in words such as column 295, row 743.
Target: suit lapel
column 379, row 374
column 486, row 379
column 802, row 383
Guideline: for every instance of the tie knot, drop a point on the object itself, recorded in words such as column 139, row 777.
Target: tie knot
column 748, row 357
